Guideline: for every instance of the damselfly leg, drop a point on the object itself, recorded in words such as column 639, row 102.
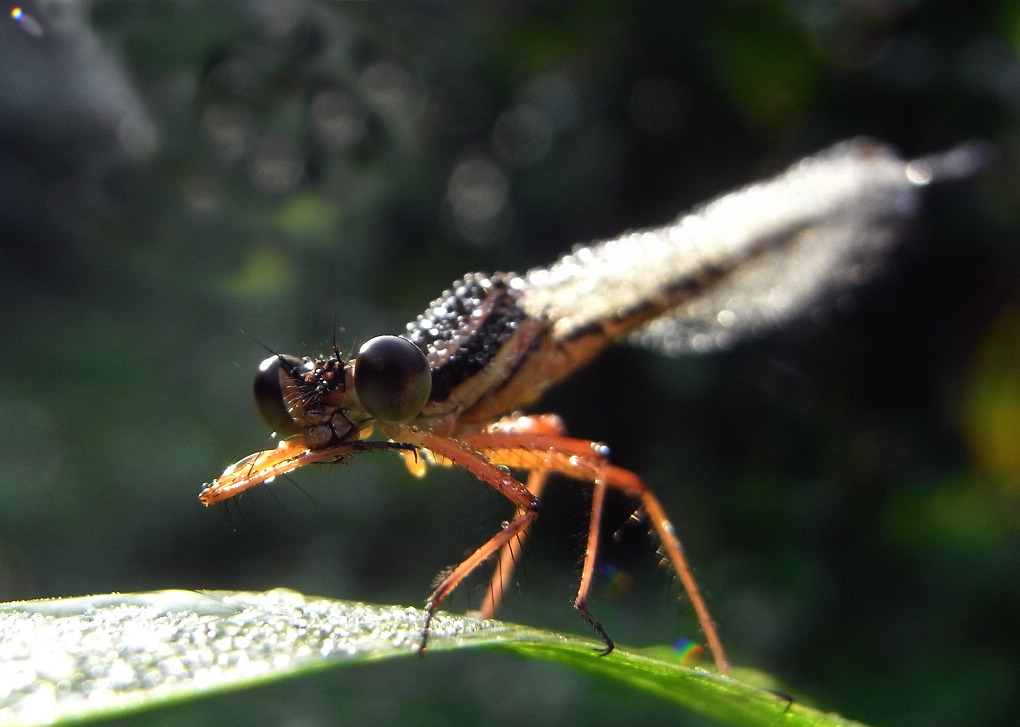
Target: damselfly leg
column 534, row 445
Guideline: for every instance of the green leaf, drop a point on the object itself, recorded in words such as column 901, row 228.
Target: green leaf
column 84, row 658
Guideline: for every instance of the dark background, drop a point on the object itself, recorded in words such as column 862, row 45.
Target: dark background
column 182, row 183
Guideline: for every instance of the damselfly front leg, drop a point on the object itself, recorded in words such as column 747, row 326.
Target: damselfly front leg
column 454, row 453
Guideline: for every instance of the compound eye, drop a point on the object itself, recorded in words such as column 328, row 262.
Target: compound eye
column 269, row 392
column 392, row 379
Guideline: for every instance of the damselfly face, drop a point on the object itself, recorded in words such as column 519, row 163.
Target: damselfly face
column 332, row 401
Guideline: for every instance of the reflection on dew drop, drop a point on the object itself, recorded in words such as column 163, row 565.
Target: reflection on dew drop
column 522, row 134
column 26, row 22
column 229, row 128
column 726, row 318
column 477, row 189
column 276, row 165
column 338, row 118
column 388, row 84
column 477, row 194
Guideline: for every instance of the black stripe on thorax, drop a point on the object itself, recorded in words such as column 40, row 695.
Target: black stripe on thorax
column 463, row 329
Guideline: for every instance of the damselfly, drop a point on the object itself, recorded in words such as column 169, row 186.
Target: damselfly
column 449, row 389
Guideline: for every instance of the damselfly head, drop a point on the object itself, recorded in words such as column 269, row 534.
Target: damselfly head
column 307, row 397
column 332, row 401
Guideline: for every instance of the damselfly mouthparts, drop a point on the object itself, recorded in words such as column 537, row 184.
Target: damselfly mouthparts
column 447, row 390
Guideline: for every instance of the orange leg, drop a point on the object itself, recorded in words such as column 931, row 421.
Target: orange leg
column 508, row 556
column 536, row 445
column 448, row 451
column 544, row 424
column 584, row 460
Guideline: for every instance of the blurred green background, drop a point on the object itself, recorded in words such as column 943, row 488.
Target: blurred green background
column 183, row 183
